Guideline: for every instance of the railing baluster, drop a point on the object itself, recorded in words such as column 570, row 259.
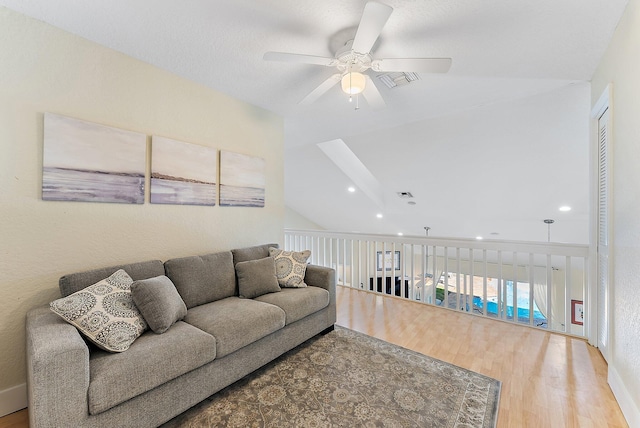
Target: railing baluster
column 500, row 303
column 585, row 300
column 568, row 284
column 458, row 270
column 403, row 270
column 531, row 290
column 446, row 277
column 435, row 271
column 484, row 283
column 366, row 284
column 472, row 278
column 344, row 262
column 514, row 288
column 549, row 292
column 423, row 275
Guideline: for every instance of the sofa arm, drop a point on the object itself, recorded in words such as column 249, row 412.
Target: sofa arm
column 57, row 371
column 323, row 277
column 320, row 276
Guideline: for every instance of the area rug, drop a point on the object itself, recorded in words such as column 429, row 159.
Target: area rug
column 348, row 379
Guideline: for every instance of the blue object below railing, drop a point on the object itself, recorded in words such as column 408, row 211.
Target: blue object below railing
column 523, row 313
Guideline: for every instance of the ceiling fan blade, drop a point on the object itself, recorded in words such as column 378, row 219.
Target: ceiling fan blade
column 374, row 17
column 373, row 96
column 299, row 58
column 418, row 65
column 320, row 90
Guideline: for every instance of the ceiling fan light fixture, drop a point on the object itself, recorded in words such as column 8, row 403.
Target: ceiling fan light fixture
column 353, row 83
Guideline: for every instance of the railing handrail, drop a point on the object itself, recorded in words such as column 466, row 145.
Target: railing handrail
column 555, row 248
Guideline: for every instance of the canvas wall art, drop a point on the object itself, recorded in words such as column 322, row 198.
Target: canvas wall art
column 242, row 180
column 84, row 161
column 182, row 173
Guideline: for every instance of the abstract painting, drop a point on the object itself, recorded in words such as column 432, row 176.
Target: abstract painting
column 182, row 173
column 84, row 161
column 242, row 180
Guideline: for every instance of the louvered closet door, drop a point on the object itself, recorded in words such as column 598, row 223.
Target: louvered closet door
column 603, row 235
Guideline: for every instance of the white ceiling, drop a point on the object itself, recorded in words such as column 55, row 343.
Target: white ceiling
column 502, row 50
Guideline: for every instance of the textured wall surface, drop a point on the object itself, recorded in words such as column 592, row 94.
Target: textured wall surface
column 621, row 67
column 43, row 69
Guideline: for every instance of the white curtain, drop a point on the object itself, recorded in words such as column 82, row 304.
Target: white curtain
column 540, row 297
column 428, row 283
column 540, row 294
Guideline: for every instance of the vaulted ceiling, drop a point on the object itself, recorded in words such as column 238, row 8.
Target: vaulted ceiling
column 516, row 66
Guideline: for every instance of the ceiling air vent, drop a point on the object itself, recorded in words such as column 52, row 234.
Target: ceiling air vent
column 392, row 80
column 404, row 195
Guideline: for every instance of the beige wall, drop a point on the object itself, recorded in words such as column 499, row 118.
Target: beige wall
column 43, row 69
column 621, row 67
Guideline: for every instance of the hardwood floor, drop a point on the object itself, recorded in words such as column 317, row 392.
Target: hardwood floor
column 15, row 420
column 548, row 380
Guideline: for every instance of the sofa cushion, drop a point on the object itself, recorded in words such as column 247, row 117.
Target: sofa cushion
column 297, row 303
column 203, row 279
column 251, row 253
column 151, row 361
column 159, row 302
column 290, row 266
column 71, row 283
column 104, row 312
column 236, row 322
column 257, row 277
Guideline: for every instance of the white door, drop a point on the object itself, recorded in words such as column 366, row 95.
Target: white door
column 603, row 234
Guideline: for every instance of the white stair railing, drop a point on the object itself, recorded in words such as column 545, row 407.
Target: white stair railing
column 543, row 285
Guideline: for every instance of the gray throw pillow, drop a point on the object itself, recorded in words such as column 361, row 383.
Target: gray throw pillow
column 159, row 302
column 257, row 277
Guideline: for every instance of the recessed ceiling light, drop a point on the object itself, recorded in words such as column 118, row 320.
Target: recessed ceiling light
column 400, row 233
column 479, row 238
column 379, row 215
column 351, row 189
column 565, row 208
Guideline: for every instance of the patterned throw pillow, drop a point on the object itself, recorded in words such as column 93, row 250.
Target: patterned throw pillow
column 290, row 267
column 104, row 312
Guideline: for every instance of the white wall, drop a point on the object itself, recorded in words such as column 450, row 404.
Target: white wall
column 43, row 69
column 294, row 220
column 620, row 66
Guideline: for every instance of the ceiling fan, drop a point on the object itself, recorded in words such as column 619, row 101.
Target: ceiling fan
column 355, row 58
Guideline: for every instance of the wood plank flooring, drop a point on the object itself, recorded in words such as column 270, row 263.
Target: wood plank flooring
column 548, row 380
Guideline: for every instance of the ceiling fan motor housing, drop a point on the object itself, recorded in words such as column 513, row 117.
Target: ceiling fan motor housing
column 350, row 60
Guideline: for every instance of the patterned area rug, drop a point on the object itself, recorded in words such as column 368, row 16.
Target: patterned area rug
column 348, row 379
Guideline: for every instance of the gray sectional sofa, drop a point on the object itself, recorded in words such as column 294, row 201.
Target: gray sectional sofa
column 222, row 338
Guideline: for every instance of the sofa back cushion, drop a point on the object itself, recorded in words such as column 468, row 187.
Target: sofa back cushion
column 251, row 253
column 71, row 283
column 203, row 279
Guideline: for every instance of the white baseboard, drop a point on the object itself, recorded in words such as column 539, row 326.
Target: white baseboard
column 13, row 399
column 625, row 400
